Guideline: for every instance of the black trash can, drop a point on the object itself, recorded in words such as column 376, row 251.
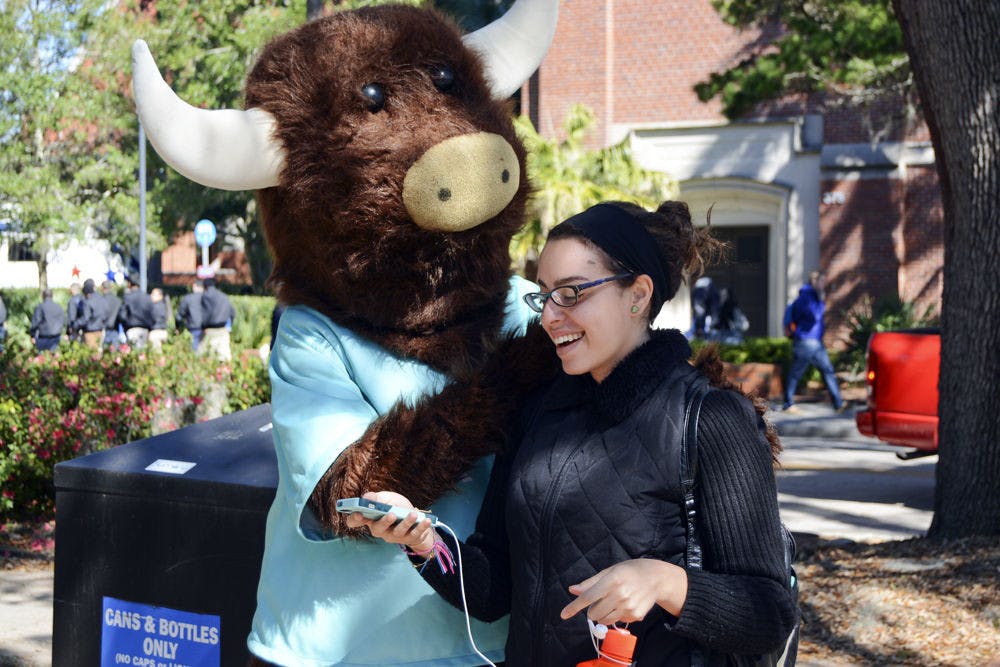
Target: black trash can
column 159, row 544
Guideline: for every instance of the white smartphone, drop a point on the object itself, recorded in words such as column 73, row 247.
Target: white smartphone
column 375, row 510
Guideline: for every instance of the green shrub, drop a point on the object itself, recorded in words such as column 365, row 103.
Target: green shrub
column 252, row 327
column 758, row 350
column 56, row 406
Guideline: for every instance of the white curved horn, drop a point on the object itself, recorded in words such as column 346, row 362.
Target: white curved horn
column 514, row 45
column 226, row 149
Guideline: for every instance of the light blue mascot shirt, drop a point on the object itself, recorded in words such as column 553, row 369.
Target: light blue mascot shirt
column 331, row 601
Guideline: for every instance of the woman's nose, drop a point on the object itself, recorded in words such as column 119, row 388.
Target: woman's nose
column 551, row 312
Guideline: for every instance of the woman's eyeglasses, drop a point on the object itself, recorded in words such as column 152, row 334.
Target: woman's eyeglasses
column 566, row 295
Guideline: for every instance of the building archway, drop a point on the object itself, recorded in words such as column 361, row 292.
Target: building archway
column 754, row 216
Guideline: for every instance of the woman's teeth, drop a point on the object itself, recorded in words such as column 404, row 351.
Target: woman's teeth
column 568, row 338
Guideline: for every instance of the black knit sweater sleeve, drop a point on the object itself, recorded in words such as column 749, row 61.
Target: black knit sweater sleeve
column 741, row 602
column 485, row 558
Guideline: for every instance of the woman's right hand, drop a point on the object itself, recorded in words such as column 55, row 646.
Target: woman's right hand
column 418, row 536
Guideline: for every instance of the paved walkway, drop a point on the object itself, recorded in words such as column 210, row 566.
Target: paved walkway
column 835, row 482
column 861, row 501
column 25, row 618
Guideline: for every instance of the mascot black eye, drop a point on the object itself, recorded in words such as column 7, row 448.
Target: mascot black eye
column 374, row 97
column 443, row 77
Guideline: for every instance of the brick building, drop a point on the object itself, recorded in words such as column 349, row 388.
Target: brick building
column 800, row 185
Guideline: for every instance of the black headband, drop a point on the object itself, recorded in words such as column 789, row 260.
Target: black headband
column 618, row 233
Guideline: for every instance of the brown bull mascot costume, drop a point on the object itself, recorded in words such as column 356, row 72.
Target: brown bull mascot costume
column 390, row 182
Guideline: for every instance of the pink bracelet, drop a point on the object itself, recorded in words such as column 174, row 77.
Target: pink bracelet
column 441, row 553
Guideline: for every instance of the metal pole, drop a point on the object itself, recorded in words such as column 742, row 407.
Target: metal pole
column 142, row 207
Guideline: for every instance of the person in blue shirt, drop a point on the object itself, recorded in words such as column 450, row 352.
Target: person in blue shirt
column 803, row 322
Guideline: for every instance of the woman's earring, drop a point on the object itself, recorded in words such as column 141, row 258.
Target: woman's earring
column 635, row 309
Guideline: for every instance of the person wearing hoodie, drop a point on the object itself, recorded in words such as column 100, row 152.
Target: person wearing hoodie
column 93, row 315
column 803, row 323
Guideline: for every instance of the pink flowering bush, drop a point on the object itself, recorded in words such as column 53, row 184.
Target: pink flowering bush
column 57, row 406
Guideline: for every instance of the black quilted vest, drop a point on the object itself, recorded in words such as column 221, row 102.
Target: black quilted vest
column 596, row 482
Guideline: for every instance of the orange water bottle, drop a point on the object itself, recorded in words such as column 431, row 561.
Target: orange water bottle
column 616, row 649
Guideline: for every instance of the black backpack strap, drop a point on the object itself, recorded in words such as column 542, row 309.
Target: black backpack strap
column 689, row 467
column 696, row 393
column 695, row 396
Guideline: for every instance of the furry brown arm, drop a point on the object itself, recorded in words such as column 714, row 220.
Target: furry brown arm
column 422, row 452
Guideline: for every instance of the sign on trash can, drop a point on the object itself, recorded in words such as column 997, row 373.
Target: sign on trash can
column 140, row 634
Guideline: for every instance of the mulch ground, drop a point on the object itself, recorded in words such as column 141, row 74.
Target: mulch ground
column 913, row 602
column 910, row 602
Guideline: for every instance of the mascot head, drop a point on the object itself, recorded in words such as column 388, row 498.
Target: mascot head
column 390, row 179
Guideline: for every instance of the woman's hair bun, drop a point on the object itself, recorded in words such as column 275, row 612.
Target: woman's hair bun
column 685, row 246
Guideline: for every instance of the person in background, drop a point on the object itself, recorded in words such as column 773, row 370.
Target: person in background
column 217, row 316
column 705, row 303
column 73, row 312
column 113, row 331
column 803, row 323
column 47, row 322
column 585, row 515
column 3, row 324
column 161, row 315
column 189, row 313
column 733, row 322
column 136, row 315
column 93, row 316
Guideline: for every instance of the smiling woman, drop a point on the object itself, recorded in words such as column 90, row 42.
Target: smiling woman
column 586, row 511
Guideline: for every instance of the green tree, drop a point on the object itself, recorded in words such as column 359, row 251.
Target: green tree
column 849, row 50
column 948, row 53
column 318, row 8
column 568, row 178
column 49, row 145
column 69, row 149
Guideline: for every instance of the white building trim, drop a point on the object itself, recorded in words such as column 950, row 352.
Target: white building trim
column 760, row 173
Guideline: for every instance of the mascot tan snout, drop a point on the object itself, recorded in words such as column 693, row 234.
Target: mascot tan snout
column 461, row 182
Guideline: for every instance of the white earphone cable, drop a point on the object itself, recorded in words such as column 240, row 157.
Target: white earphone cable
column 465, row 604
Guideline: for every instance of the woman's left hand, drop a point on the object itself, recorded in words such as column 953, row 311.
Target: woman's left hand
column 626, row 591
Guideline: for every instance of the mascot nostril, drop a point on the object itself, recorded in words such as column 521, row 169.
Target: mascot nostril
column 454, row 184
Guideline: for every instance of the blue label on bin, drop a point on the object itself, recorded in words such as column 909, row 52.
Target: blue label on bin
column 140, row 634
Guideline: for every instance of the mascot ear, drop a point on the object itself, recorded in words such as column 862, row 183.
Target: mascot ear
column 513, row 46
column 226, row 149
